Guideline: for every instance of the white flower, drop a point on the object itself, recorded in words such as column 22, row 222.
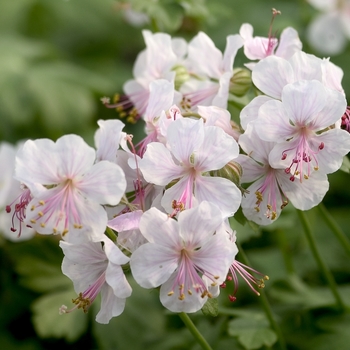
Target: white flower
column 95, row 267
column 68, row 189
column 180, row 254
column 193, row 150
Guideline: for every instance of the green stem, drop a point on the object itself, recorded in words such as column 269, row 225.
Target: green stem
column 195, row 332
column 266, row 305
column 333, row 225
column 110, row 234
column 325, row 270
column 286, row 251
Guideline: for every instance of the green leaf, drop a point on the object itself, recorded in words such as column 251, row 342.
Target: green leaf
column 345, row 165
column 49, row 323
column 244, row 232
column 211, row 307
column 141, row 324
column 252, row 333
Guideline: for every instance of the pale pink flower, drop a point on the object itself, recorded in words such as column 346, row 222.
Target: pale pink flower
column 180, row 254
column 216, row 116
column 68, row 189
column 257, row 48
column 157, row 61
column 107, row 139
column 127, row 226
column 211, row 71
column 271, row 74
column 270, row 189
column 299, row 124
column 94, row 268
column 14, row 198
column 193, row 151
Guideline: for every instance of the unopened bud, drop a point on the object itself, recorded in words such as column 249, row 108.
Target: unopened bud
column 181, row 76
column 241, row 82
column 231, row 171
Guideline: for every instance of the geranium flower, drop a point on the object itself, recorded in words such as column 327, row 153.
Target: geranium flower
column 211, row 70
column 94, row 268
column 193, row 150
column 299, row 124
column 68, row 189
column 180, row 254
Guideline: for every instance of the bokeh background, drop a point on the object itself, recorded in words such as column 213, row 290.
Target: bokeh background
column 57, row 59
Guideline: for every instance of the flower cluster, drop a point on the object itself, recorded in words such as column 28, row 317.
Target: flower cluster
column 162, row 206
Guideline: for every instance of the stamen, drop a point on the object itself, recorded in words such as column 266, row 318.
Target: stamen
column 249, row 278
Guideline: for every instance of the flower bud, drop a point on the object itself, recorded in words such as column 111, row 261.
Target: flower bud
column 241, row 82
column 231, row 171
column 181, row 75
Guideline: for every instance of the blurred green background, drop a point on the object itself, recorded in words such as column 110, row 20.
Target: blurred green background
column 57, row 59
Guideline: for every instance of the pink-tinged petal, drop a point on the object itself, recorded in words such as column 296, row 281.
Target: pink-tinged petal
column 251, row 169
column 249, row 205
column 131, row 239
column 204, row 57
column 258, row 47
column 127, row 221
column 326, row 35
column 221, row 98
column 111, row 306
column 246, row 31
column 332, row 75
column 261, row 214
column 332, row 112
column 75, row 156
column 306, row 66
column 306, row 194
column 191, row 303
column 181, row 191
column 336, row 145
column 154, row 224
column 289, row 43
column 255, row 147
column 86, row 253
column 161, row 98
column 191, row 134
column 250, row 112
column 7, row 158
column 37, row 162
column 215, row 257
column 273, row 122
column 219, row 191
column 179, row 46
column 233, row 44
column 271, row 74
column 303, row 101
column 103, row 183
column 138, row 93
column 114, row 254
column 219, row 117
column 152, row 264
column 157, row 165
column 198, row 224
column 201, row 92
column 107, row 139
column 78, row 220
column 81, row 267
column 116, row 279
column 159, row 53
column 219, row 149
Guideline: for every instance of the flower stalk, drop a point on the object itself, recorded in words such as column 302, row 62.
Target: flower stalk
column 194, row 331
column 321, row 264
column 335, row 228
